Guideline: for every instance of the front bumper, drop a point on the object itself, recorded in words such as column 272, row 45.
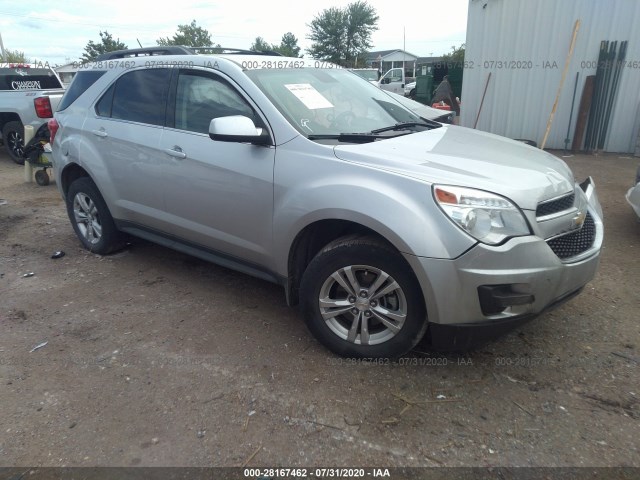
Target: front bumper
column 462, row 337
column 489, row 289
column 633, row 198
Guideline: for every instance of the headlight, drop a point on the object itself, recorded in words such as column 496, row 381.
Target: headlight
column 486, row 217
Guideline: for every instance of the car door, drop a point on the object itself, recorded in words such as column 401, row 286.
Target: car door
column 125, row 135
column 393, row 81
column 218, row 195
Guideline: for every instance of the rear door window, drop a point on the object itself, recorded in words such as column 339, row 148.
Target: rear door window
column 138, row 96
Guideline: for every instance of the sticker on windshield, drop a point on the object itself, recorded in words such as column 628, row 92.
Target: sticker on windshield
column 309, row 96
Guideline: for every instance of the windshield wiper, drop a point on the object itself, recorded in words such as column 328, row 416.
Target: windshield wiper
column 347, row 137
column 406, row 125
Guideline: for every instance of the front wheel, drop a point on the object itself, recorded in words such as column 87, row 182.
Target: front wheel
column 13, row 138
column 91, row 218
column 360, row 299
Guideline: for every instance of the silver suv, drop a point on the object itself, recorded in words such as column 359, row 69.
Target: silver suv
column 384, row 226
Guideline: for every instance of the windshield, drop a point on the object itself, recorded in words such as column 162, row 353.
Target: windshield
column 329, row 102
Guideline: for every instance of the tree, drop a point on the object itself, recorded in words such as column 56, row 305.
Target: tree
column 190, row 36
column 288, row 46
column 328, row 35
column 106, row 44
column 14, row 56
column 362, row 21
column 260, row 45
column 341, row 35
column 456, row 55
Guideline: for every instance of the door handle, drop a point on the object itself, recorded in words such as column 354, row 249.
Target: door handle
column 100, row 133
column 175, row 152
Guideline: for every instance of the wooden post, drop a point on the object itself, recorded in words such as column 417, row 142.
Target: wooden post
column 482, row 101
column 583, row 113
column 564, row 75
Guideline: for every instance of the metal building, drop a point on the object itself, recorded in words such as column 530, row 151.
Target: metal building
column 524, row 45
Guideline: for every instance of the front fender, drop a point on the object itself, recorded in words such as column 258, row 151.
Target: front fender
column 401, row 209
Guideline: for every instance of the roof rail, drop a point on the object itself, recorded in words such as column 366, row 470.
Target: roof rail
column 141, row 52
column 177, row 50
column 237, row 51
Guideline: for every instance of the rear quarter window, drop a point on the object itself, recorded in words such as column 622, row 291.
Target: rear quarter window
column 23, row 78
column 137, row 96
column 81, row 82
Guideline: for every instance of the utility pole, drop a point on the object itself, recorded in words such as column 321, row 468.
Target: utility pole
column 2, row 48
column 404, row 49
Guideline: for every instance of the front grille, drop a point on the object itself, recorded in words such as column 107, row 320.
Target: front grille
column 554, row 206
column 575, row 243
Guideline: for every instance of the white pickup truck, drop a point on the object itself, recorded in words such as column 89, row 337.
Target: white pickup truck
column 29, row 94
column 395, row 80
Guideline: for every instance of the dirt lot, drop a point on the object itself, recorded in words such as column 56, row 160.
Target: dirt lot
column 154, row 358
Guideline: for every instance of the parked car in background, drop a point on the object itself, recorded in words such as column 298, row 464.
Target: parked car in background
column 29, row 94
column 633, row 195
column 410, row 89
column 369, row 74
column 395, row 80
column 382, row 224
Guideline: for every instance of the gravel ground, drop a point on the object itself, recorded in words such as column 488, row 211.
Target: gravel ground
column 154, row 358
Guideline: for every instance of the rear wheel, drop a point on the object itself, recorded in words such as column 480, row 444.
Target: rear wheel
column 360, row 299
column 91, row 218
column 13, row 138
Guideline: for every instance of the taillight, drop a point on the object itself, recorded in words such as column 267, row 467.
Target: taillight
column 53, row 129
column 43, row 107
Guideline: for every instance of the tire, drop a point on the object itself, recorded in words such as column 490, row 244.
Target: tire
column 13, row 138
column 412, row 94
column 339, row 296
column 91, row 219
column 42, row 178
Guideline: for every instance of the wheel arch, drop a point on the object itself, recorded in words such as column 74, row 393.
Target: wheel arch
column 6, row 117
column 69, row 174
column 313, row 238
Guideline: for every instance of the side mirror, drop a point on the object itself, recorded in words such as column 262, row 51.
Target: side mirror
column 237, row 128
column 386, row 80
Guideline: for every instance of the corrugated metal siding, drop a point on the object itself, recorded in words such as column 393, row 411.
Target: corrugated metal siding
column 519, row 100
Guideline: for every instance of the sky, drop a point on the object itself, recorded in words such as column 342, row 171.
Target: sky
column 57, row 32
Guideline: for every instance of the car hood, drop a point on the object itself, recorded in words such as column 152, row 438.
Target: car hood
column 461, row 156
